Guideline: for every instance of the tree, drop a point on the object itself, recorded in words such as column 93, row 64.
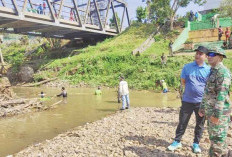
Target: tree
column 226, row 8
column 160, row 11
column 169, row 8
column 112, row 21
column 141, row 13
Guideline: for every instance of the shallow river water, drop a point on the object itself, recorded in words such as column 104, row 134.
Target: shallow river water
column 82, row 106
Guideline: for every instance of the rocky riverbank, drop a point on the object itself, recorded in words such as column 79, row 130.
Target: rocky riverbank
column 144, row 132
column 64, row 83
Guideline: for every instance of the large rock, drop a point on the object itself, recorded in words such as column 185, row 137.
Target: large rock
column 26, row 74
column 12, row 75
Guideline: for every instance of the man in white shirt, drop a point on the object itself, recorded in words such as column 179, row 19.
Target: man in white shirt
column 124, row 93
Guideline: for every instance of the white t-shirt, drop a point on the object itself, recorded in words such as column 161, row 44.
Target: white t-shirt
column 123, row 88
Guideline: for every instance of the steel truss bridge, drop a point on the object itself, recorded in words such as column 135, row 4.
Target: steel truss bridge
column 66, row 19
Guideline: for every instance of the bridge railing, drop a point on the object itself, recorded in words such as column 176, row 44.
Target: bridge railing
column 84, row 13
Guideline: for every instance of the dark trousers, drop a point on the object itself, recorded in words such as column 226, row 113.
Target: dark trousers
column 185, row 113
column 219, row 37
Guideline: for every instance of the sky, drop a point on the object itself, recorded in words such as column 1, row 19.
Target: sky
column 133, row 4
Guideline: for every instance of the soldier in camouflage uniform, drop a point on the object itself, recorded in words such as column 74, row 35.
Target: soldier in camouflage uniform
column 216, row 104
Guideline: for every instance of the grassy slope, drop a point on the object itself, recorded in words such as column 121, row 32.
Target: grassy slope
column 104, row 63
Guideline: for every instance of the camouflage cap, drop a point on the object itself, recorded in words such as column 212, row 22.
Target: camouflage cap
column 218, row 50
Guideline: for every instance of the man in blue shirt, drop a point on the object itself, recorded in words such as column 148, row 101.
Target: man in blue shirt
column 193, row 77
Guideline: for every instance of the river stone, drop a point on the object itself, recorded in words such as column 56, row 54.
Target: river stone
column 129, row 138
column 4, row 81
column 12, row 75
column 26, row 73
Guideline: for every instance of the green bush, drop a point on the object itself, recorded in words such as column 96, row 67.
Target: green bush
column 14, row 54
column 158, row 38
column 39, row 51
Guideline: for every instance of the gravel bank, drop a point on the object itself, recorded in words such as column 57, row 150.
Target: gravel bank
column 143, row 132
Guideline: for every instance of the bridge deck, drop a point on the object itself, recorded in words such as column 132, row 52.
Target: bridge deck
column 81, row 22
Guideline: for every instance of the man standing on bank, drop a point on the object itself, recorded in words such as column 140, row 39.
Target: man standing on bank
column 216, row 103
column 193, row 77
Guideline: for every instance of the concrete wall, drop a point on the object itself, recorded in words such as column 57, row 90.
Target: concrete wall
column 205, row 35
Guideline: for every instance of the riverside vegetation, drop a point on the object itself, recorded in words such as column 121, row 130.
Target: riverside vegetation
column 104, row 62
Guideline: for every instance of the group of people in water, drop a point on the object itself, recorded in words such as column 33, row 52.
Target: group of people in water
column 123, row 93
column 63, row 93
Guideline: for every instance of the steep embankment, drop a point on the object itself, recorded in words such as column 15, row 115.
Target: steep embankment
column 103, row 63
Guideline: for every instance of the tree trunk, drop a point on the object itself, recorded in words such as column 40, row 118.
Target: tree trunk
column 1, row 56
column 171, row 22
column 174, row 8
column 39, row 83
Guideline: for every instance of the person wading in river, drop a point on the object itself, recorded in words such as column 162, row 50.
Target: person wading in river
column 98, row 91
column 63, row 93
column 194, row 76
column 124, row 93
column 42, row 94
column 164, row 86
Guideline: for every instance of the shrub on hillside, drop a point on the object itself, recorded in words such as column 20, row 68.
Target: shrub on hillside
column 158, row 38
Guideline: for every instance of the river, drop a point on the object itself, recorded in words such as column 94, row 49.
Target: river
column 82, row 107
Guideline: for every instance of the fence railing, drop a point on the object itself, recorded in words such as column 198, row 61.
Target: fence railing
column 208, row 24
